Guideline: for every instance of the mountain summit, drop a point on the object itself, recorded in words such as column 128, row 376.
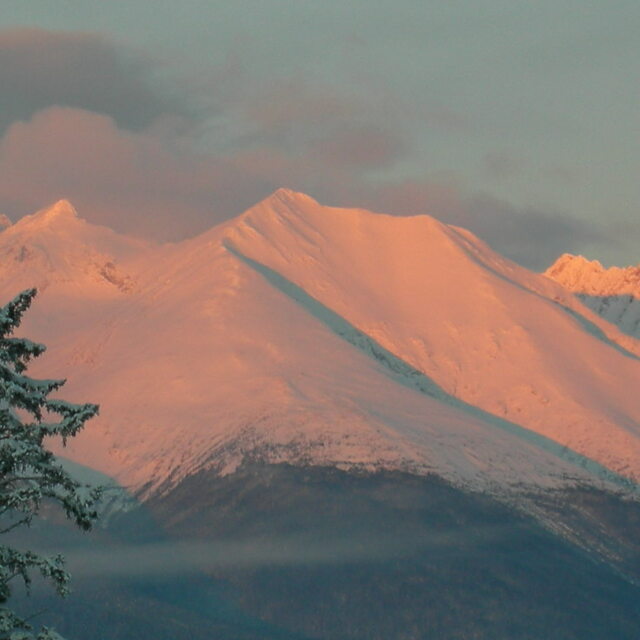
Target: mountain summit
column 55, row 245
column 60, row 210
column 56, row 216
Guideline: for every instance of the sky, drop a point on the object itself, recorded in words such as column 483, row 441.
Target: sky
column 517, row 120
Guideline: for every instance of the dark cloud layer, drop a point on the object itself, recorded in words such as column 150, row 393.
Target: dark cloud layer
column 40, row 68
column 532, row 237
column 362, row 146
column 155, row 183
column 83, row 121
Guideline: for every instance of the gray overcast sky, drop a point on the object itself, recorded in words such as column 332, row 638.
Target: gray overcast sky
column 516, row 119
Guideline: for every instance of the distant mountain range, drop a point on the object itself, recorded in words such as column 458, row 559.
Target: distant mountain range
column 316, row 347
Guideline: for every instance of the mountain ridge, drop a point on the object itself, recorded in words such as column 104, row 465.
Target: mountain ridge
column 204, row 362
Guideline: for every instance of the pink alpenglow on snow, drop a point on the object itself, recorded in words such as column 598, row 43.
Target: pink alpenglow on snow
column 613, row 293
column 315, row 335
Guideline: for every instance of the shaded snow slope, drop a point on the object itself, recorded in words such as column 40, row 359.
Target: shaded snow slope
column 612, row 293
column 313, row 335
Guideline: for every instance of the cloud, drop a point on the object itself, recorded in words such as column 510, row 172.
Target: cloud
column 308, row 117
column 41, row 68
column 530, row 236
column 321, row 548
column 153, row 182
column 500, row 164
column 158, row 183
column 89, row 119
column 360, row 146
column 294, row 102
column 136, row 182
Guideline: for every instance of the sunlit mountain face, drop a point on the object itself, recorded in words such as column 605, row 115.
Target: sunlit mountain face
column 333, row 423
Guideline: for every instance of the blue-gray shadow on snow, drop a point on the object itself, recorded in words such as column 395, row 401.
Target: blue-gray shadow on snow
column 626, row 301
column 408, row 376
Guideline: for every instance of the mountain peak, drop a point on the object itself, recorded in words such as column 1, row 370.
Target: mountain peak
column 574, row 262
column 283, row 194
column 59, row 214
column 584, row 276
column 60, row 209
column 283, row 204
column 613, row 293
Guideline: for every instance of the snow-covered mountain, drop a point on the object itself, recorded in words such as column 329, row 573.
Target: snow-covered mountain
column 613, row 293
column 323, row 336
column 55, row 246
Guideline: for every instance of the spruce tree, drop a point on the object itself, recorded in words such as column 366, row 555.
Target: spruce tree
column 30, row 474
